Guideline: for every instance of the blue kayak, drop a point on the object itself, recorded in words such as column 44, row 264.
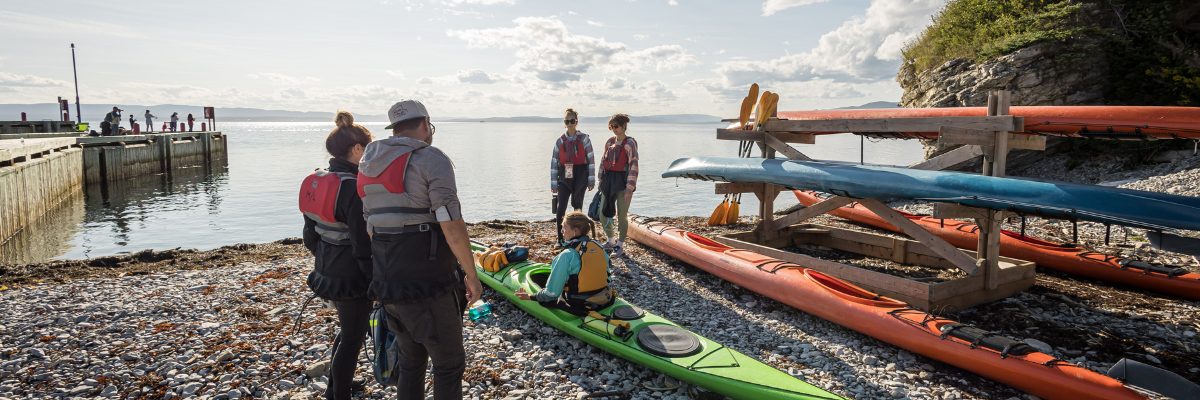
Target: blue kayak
column 1127, row 207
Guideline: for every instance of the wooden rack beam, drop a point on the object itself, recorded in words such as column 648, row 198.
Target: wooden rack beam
column 805, row 213
column 757, row 136
column 933, row 242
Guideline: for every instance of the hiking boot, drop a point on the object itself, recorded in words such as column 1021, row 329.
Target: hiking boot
column 617, row 251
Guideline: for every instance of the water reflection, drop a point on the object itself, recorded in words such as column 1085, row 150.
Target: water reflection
column 49, row 236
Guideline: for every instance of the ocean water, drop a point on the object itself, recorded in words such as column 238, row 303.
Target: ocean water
column 502, row 171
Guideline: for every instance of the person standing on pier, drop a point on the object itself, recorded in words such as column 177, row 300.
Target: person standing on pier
column 132, row 121
column 572, row 168
column 618, row 179
column 149, row 121
column 191, row 120
column 114, row 121
column 424, row 273
column 174, row 121
column 336, row 234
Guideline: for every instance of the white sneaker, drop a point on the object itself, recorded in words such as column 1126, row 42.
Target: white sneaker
column 617, row 251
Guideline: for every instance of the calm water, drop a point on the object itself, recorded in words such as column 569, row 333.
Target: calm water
column 502, row 171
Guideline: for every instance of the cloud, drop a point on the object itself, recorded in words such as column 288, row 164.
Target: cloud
column 864, row 49
column 773, row 6
column 616, row 82
column 672, row 3
column 7, row 79
column 594, row 23
column 396, row 73
column 60, row 26
column 477, row 76
column 548, row 53
column 658, row 91
column 640, row 37
column 425, row 80
column 484, row 2
column 281, row 79
column 292, row 93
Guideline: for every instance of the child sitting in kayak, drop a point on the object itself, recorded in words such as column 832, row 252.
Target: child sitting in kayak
column 579, row 275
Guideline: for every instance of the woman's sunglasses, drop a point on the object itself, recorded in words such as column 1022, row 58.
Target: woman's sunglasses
column 570, row 121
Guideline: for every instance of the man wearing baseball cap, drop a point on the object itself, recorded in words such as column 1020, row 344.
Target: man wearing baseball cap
column 114, row 121
column 423, row 272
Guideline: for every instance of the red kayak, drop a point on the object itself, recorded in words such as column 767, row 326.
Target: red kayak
column 996, row 357
column 1061, row 257
column 1108, row 122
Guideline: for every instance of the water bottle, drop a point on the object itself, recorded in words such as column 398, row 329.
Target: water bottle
column 479, row 310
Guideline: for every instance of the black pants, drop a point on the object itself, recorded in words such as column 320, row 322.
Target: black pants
column 430, row 330
column 353, row 316
column 570, row 190
column 613, row 182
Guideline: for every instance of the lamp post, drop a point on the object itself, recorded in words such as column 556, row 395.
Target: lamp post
column 78, row 113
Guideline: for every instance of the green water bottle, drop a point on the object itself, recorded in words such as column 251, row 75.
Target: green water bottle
column 479, row 310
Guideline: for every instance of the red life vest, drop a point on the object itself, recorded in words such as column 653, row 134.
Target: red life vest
column 318, row 195
column 616, row 158
column 318, row 201
column 579, row 156
column 392, row 177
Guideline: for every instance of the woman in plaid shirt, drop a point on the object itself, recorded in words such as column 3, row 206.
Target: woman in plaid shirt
column 618, row 180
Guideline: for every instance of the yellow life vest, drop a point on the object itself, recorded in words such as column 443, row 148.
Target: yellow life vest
column 593, row 270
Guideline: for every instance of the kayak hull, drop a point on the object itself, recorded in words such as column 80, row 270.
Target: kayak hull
column 713, row 366
column 885, row 319
column 1065, row 258
column 1125, row 122
column 1135, row 208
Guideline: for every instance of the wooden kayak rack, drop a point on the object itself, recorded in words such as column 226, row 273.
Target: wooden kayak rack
column 988, row 136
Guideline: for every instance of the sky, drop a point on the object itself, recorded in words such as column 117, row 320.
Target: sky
column 462, row 58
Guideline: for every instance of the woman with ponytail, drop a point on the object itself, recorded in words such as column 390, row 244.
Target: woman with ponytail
column 335, row 232
column 579, row 275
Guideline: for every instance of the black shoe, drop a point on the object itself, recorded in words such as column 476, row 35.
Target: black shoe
column 358, row 385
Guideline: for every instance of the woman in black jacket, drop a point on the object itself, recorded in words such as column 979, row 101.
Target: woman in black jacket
column 336, row 234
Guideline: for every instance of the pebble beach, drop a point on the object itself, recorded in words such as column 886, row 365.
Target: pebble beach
column 237, row 322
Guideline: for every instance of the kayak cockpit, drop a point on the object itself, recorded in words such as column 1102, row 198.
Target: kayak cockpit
column 850, row 292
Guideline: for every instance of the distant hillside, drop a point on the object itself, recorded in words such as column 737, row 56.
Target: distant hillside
column 873, row 104
column 96, row 112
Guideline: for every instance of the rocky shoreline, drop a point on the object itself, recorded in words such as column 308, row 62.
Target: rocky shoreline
column 236, row 322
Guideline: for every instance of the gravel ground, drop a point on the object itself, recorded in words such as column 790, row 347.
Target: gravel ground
column 224, row 323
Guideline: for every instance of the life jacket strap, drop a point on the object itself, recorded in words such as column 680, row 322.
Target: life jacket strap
column 433, row 234
column 400, row 210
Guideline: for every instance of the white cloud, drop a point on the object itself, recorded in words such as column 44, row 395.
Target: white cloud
column 572, row 13
column 292, row 93
column 672, row 2
column 396, row 73
column 719, row 52
column 864, row 49
column 594, row 23
column 773, row 6
column 484, row 2
column 7, row 79
column 477, row 76
column 59, row 26
column 547, row 52
column 658, row 91
column 640, row 37
column 281, row 79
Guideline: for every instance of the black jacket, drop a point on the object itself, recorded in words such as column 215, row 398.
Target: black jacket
column 341, row 272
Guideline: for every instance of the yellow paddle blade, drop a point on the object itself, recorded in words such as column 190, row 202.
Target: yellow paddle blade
column 772, row 102
column 731, row 216
column 744, row 114
column 761, row 113
column 753, row 92
column 718, row 215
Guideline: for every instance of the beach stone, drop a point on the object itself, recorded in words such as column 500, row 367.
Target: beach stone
column 317, row 369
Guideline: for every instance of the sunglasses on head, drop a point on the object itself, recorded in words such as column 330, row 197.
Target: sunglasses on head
column 570, row 121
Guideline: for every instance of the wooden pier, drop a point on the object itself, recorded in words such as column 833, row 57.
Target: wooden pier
column 37, row 174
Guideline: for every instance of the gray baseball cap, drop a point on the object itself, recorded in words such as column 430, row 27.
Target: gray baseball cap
column 405, row 110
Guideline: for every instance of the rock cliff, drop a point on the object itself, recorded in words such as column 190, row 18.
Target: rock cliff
column 1038, row 75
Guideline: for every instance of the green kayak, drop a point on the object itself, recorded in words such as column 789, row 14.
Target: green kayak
column 653, row 341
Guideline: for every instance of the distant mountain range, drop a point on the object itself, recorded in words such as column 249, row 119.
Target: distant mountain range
column 873, row 104
column 95, row 113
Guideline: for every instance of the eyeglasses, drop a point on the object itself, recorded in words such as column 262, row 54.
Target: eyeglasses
column 432, row 128
column 570, row 121
column 614, row 126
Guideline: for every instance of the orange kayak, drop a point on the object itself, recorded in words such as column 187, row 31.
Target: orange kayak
column 1061, row 257
column 996, row 357
column 1107, row 122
